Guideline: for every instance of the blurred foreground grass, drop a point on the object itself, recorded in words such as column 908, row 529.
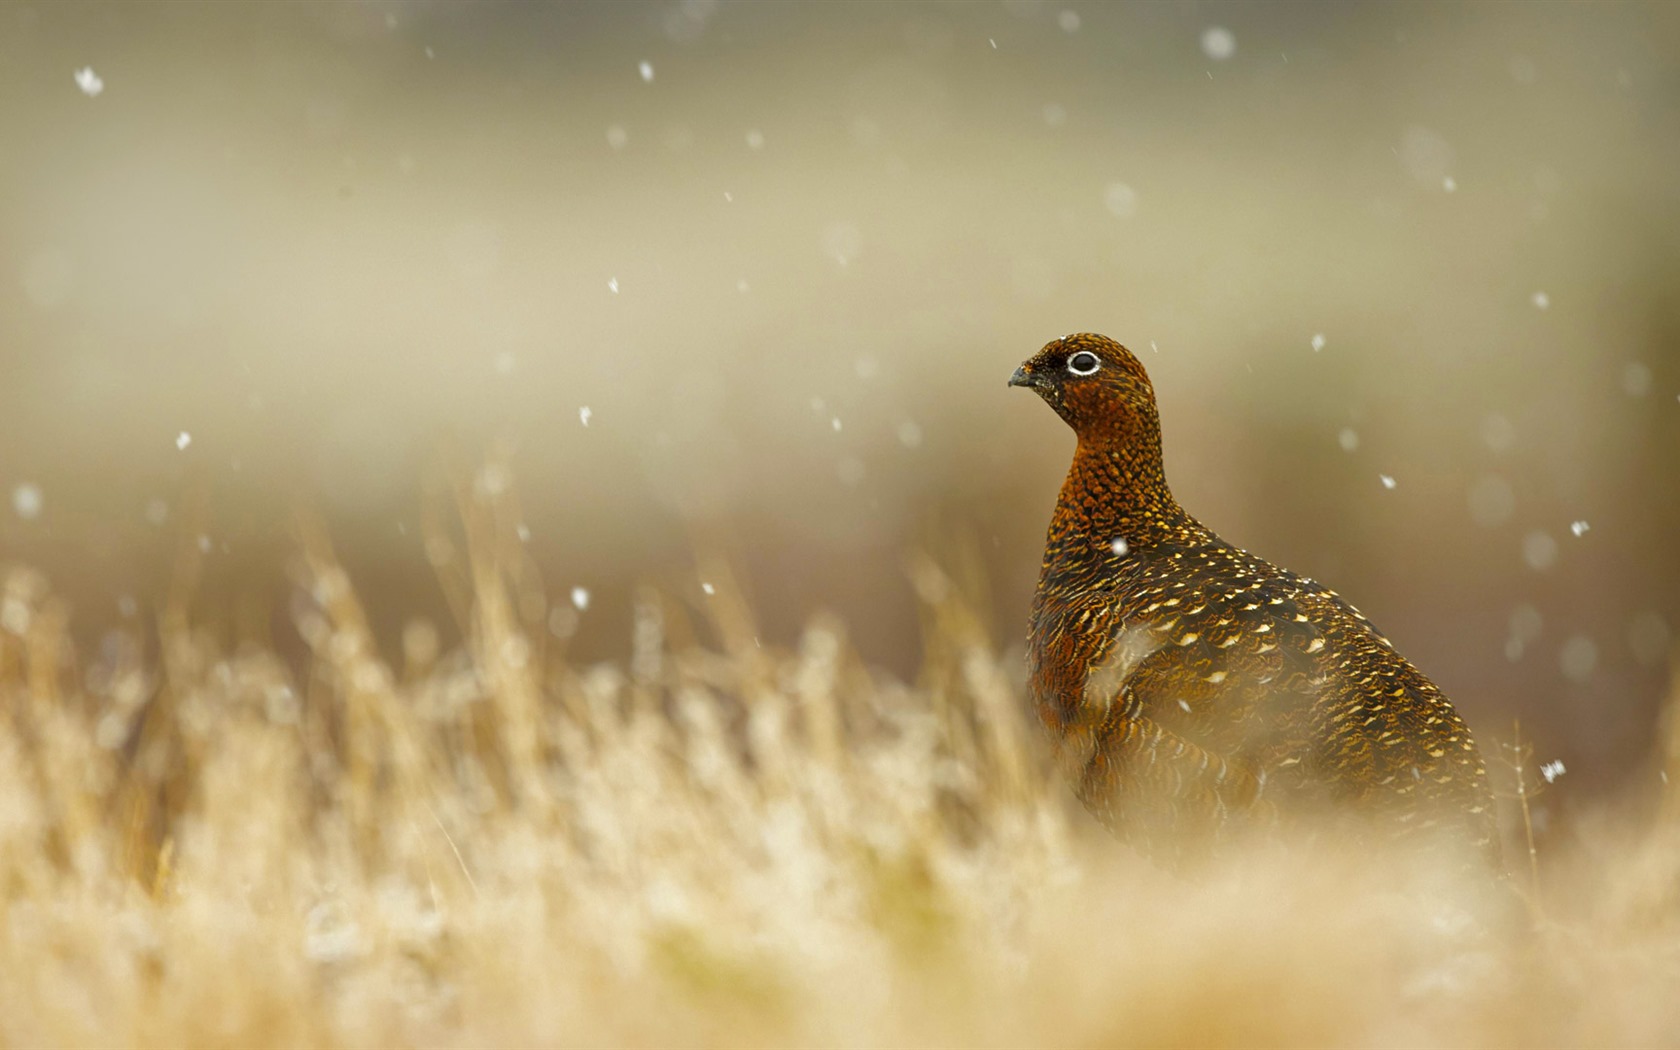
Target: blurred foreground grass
column 710, row 842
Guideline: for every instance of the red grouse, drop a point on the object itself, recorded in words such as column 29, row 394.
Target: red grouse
column 1192, row 687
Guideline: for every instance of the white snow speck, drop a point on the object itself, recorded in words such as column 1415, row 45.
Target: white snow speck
column 1541, row 301
column 835, row 423
column 26, row 501
column 580, row 598
column 524, row 531
column 1317, row 341
column 755, row 139
column 1648, row 636
column 612, row 285
column 1348, row 438
column 1449, row 183
column 1069, row 21
column 1539, row 550
column 1526, row 623
column 1636, row 379
column 992, row 42
column 1492, row 501
column 1497, row 432
column 1119, row 546
column 728, row 198
column 1120, row 199
column 646, row 69
column 842, row 242
column 1427, row 157
column 584, row 413
column 1387, row 481
column 1552, row 770
column 89, row 82
column 182, row 440
column 1218, row 43
column 708, row 588
column 1578, row 658
column 203, row 543
column 1579, row 528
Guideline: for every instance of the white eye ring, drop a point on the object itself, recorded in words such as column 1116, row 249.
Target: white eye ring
column 1084, row 357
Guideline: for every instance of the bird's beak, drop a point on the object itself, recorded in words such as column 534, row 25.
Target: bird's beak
column 1023, row 377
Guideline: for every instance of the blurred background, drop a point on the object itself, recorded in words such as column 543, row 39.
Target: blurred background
column 749, row 277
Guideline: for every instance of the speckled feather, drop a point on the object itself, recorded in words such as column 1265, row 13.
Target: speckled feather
column 1192, row 687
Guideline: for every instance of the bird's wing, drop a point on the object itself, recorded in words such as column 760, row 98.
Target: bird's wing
column 1133, row 770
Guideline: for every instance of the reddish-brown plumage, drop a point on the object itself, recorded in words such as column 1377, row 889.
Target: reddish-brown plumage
column 1191, row 686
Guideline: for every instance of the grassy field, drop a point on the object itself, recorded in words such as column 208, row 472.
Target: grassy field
column 473, row 841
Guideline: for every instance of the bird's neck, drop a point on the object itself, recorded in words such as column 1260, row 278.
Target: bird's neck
column 1115, row 490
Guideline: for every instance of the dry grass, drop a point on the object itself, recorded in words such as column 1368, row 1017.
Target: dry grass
column 713, row 843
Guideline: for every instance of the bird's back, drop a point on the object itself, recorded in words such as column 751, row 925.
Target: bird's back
column 1272, row 673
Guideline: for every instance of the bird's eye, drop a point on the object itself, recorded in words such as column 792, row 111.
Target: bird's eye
column 1084, row 363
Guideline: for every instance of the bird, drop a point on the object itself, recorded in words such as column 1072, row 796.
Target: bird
column 1194, row 691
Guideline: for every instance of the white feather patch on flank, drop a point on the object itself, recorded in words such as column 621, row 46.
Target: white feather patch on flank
column 1129, row 648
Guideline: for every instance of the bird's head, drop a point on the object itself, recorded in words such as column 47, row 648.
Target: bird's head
column 1096, row 385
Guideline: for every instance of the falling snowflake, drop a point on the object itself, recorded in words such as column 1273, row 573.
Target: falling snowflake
column 1348, row 438
column 612, row 285
column 26, row 501
column 1539, row 550
column 708, row 588
column 1636, row 379
column 755, row 139
column 1120, row 199
column 1579, row 528
column 1387, row 481
column 1578, row 658
column 646, row 69
column 182, row 440
column 1318, row 342
column 1449, row 183
column 580, row 598
column 1218, row 43
column 89, row 82
column 1552, row 770
column 1119, row 546
column 835, row 423
column 584, row 412
column 1542, row 301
